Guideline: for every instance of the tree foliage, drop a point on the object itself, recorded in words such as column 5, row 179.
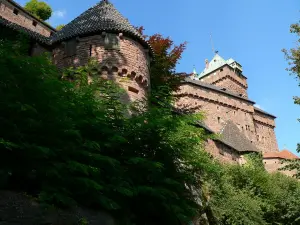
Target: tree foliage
column 293, row 57
column 70, row 143
column 39, row 8
column 164, row 80
column 59, row 27
column 249, row 195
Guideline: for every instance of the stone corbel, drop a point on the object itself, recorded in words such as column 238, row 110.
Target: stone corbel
column 103, row 34
column 145, row 82
column 121, row 36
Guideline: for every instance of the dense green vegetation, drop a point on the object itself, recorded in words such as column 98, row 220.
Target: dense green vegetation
column 39, row 8
column 293, row 57
column 71, row 143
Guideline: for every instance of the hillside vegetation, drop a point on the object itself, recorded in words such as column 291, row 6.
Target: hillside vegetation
column 70, row 143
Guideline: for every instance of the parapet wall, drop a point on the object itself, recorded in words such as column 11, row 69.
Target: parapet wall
column 17, row 15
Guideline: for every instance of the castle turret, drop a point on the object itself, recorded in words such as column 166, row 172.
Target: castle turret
column 103, row 33
column 227, row 74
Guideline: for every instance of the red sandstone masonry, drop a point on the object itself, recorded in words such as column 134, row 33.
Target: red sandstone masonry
column 223, row 153
column 23, row 19
column 266, row 138
column 218, row 108
column 273, row 165
column 227, row 78
column 128, row 66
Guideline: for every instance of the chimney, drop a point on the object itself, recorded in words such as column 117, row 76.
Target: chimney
column 206, row 64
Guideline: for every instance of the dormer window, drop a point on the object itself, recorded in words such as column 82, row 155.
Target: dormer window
column 16, row 12
column 111, row 42
column 34, row 23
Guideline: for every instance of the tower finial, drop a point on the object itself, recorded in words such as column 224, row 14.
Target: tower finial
column 194, row 70
column 212, row 43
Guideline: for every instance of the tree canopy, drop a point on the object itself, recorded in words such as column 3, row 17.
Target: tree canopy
column 59, row 27
column 39, row 8
column 293, row 57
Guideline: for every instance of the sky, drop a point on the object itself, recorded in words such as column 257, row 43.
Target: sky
column 253, row 32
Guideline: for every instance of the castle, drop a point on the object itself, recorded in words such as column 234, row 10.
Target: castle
column 220, row 90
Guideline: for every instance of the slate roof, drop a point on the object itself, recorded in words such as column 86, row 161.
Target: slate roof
column 264, row 112
column 216, row 88
column 34, row 35
column 233, row 137
column 101, row 17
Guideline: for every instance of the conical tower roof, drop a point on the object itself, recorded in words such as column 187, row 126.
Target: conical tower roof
column 101, row 17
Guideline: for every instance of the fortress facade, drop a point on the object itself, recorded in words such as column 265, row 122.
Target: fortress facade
column 101, row 32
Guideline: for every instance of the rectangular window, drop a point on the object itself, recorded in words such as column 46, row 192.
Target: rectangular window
column 34, row 23
column 91, row 49
column 16, row 12
column 70, row 48
column 134, row 90
column 219, row 119
column 112, row 42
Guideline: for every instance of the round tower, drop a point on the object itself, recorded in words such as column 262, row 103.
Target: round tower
column 104, row 34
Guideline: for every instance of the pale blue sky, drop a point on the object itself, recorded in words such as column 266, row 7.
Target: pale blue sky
column 253, row 32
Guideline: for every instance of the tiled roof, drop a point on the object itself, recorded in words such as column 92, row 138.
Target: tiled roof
column 284, row 154
column 233, row 137
column 215, row 88
column 264, row 112
column 34, row 35
column 101, row 17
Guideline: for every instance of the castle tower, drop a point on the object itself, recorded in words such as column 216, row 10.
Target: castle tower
column 227, row 74
column 103, row 33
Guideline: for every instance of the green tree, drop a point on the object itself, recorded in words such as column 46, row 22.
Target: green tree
column 293, row 57
column 59, row 27
column 39, row 8
column 77, row 146
column 249, row 195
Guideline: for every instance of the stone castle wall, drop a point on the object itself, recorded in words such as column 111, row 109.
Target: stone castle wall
column 18, row 16
column 273, row 165
column 265, row 133
column 222, row 152
column 227, row 78
column 219, row 108
column 129, row 66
